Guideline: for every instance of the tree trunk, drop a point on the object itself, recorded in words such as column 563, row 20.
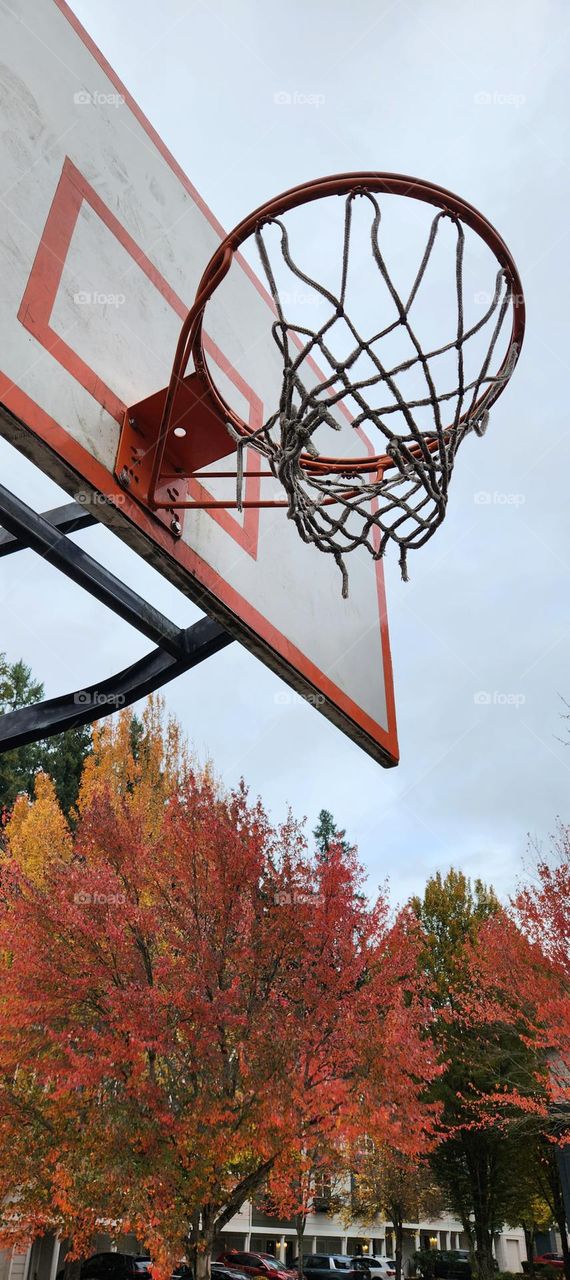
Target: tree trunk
column 201, row 1242
column 203, row 1260
column 398, row 1225
column 554, row 1196
column 559, row 1211
column 467, row 1225
column 529, row 1234
column 300, row 1224
column 484, row 1250
column 561, row 1224
column 481, row 1168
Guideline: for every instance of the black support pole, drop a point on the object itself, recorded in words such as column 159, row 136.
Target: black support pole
column 178, row 650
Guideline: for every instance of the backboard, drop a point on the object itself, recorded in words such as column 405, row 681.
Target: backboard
column 103, row 242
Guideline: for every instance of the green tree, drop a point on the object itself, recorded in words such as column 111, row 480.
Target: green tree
column 550, row 1188
column 136, row 735
column 475, row 1163
column 19, row 767
column 327, row 833
column 527, row 1205
column 61, row 757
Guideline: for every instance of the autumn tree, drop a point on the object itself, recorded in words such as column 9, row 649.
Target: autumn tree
column 521, row 967
column 541, row 911
column 319, row 1162
column 188, row 993
column 486, row 1055
column 310, row 1173
column 390, row 1184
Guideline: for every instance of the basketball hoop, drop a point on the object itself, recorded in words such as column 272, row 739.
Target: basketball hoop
column 340, row 503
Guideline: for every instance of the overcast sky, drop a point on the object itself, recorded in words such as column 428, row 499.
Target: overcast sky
column 474, row 98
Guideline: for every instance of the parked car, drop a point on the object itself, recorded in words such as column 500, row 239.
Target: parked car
column 445, row 1264
column 116, row 1266
column 379, row 1268
column 270, row 1257
column 550, row 1260
column 324, row 1266
column 255, row 1264
column 220, row 1271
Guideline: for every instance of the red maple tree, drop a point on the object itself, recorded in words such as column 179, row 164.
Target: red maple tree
column 520, row 982
column 186, row 991
column 542, row 912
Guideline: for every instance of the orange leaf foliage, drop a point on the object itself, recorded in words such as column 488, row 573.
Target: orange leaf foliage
column 191, row 999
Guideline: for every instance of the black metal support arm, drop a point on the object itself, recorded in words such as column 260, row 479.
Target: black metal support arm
column 56, row 548
column 178, row 650
column 28, row 724
column 68, row 519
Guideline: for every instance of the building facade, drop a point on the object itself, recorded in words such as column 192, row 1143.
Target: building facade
column 254, row 1230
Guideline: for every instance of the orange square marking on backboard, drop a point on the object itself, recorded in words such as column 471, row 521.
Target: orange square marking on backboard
column 37, row 304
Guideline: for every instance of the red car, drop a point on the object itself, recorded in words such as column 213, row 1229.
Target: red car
column 256, row 1264
column 551, row 1260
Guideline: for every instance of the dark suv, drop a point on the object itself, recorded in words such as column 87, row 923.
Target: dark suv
column 325, row 1266
column 117, row 1266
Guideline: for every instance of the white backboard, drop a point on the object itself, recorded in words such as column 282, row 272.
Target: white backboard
column 102, row 242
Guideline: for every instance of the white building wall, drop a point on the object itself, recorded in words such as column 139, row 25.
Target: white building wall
column 42, row 1260
column 14, row 1266
column 511, row 1250
column 445, row 1233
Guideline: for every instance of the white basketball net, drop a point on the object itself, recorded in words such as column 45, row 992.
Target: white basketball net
column 337, row 511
